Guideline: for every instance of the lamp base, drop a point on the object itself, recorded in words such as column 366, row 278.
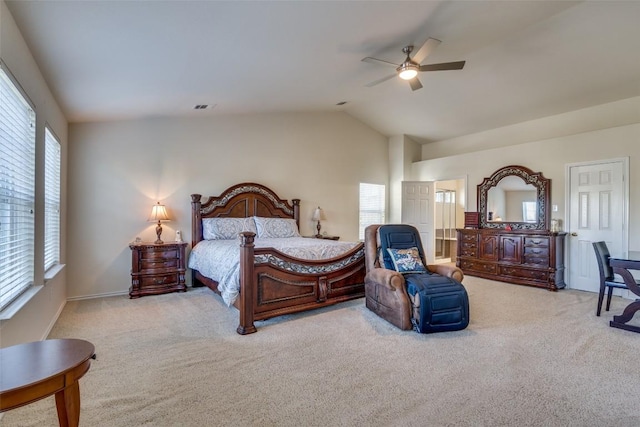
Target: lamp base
column 318, row 235
column 158, row 233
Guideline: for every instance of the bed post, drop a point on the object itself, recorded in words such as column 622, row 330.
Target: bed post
column 196, row 219
column 196, row 230
column 296, row 211
column 246, row 325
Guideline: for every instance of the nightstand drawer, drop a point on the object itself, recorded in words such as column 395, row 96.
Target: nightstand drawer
column 158, row 280
column 157, row 263
column 159, row 254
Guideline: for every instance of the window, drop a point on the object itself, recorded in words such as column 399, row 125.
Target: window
column 529, row 213
column 372, row 206
column 17, row 189
column 51, row 200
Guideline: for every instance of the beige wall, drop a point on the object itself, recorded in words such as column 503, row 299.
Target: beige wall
column 118, row 170
column 36, row 318
column 605, row 116
column 403, row 151
column 550, row 156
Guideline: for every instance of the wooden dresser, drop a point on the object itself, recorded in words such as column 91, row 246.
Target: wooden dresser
column 157, row 268
column 526, row 257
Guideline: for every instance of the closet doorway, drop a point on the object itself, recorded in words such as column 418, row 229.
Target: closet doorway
column 449, row 207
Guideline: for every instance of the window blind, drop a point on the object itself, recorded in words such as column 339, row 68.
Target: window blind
column 51, row 200
column 17, row 190
column 372, row 206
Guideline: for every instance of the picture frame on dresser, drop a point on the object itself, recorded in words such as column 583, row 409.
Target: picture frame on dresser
column 513, row 242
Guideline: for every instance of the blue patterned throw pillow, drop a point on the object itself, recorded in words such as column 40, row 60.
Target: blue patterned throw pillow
column 407, row 260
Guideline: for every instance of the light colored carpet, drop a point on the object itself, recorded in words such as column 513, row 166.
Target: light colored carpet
column 530, row 357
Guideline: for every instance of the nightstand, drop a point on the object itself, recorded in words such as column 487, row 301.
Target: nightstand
column 157, row 268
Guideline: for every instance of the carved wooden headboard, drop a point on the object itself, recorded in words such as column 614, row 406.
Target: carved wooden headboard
column 241, row 201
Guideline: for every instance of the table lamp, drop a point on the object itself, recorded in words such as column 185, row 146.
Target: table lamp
column 318, row 215
column 158, row 213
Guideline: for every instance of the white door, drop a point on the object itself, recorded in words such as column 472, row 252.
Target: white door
column 418, row 210
column 597, row 212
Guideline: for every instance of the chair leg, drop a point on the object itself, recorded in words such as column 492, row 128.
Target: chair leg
column 609, row 293
column 600, row 298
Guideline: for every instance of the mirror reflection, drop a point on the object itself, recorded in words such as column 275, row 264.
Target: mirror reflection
column 512, row 200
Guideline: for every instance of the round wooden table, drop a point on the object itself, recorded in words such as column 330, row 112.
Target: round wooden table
column 35, row 370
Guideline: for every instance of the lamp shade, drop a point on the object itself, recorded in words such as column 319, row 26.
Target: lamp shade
column 158, row 213
column 318, row 215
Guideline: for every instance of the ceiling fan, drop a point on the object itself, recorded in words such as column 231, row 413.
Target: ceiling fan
column 409, row 69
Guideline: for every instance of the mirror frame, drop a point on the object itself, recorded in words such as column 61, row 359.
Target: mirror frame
column 543, row 189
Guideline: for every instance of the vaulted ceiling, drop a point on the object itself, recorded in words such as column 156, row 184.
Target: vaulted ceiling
column 112, row 60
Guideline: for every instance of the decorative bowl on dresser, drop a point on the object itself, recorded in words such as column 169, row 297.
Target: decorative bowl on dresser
column 157, row 268
column 506, row 246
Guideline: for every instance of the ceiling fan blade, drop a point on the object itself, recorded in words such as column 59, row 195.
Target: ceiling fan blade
column 415, row 84
column 426, row 49
column 379, row 61
column 458, row 65
column 384, row 79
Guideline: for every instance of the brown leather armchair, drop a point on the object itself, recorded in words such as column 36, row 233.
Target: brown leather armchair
column 385, row 290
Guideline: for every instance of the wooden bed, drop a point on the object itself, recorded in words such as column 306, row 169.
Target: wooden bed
column 271, row 282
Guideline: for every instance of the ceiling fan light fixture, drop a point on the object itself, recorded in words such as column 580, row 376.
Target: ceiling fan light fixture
column 407, row 71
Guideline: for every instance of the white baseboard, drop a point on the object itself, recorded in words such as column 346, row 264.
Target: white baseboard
column 108, row 294
column 53, row 321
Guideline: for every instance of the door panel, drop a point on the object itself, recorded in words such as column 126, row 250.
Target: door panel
column 596, row 213
column 418, row 210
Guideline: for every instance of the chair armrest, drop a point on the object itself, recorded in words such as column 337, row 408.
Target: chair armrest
column 388, row 278
column 447, row 270
column 386, row 295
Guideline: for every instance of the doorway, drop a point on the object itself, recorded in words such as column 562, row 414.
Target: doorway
column 597, row 210
column 449, row 215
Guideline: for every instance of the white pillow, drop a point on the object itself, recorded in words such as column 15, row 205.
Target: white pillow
column 226, row 228
column 276, row 227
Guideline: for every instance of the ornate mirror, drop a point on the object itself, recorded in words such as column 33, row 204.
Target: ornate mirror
column 517, row 197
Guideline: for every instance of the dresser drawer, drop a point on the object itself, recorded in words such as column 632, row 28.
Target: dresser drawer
column 468, row 252
column 471, row 238
column 536, row 241
column 524, row 273
column 480, row 267
column 469, row 249
column 537, row 261
column 539, row 251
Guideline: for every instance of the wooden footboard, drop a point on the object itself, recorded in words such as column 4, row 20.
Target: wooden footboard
column 273, row 283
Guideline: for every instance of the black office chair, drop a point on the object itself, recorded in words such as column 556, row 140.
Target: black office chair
column 606, row 275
